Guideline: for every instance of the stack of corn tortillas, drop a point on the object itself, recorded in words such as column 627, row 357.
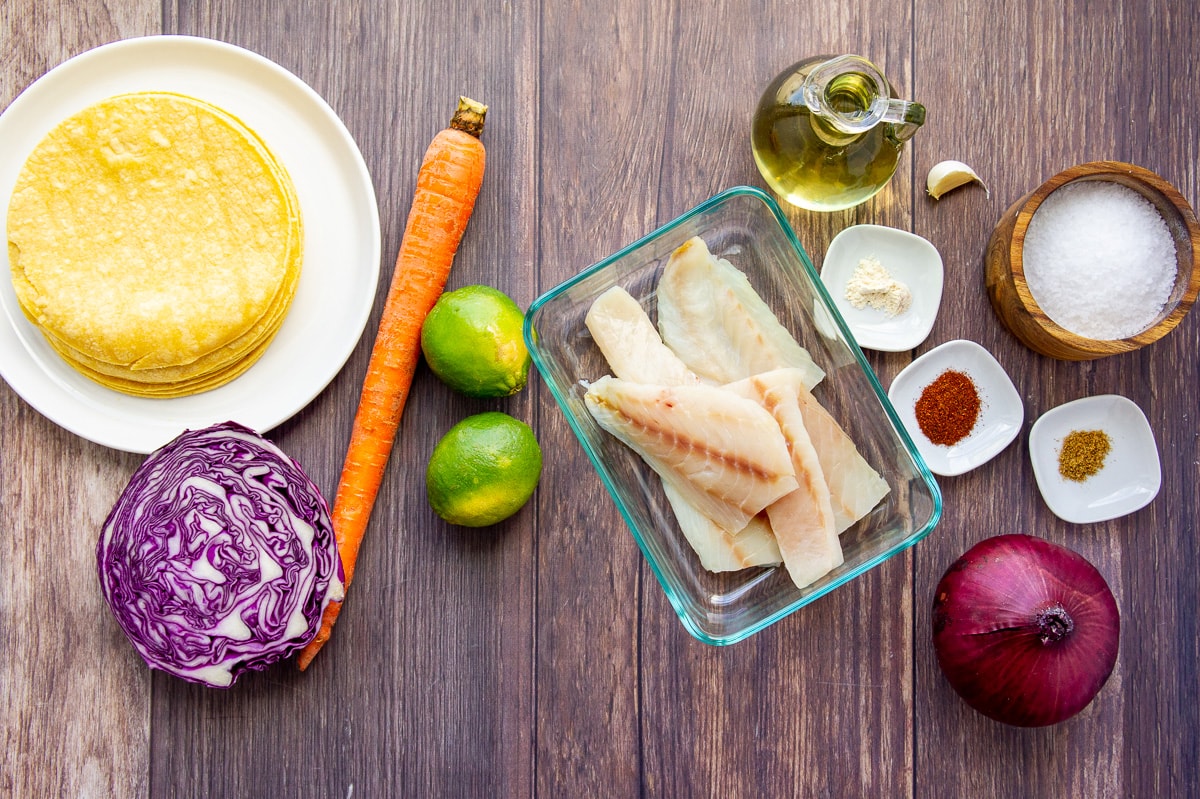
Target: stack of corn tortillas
column 156, row 243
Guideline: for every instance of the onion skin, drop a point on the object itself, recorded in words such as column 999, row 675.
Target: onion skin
column 1026, row 631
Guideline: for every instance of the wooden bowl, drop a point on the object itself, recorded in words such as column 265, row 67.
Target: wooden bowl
column 1020, row 313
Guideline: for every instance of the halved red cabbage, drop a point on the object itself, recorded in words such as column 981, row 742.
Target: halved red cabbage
column 219, row 556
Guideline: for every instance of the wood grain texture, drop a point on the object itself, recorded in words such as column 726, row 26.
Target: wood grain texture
column 776, row 715
column 541, row 658
column 1119, row 746
column 76, row 704
column 603, row 69
column 427, row 679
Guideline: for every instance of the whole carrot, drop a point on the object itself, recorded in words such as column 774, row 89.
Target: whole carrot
column 447, row 186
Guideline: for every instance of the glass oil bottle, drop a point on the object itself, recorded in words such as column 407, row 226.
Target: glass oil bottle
column 828, row 133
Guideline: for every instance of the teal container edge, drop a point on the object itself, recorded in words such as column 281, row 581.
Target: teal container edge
column 724, row 609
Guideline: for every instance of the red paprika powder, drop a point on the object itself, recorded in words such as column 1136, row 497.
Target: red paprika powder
column 948, row 408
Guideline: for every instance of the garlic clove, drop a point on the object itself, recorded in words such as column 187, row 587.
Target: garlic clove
column 948, row 175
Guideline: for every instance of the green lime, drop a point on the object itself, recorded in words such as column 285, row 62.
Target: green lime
column 483, row 470
column 472, row 342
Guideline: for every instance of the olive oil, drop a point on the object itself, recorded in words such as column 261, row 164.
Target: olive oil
column 828, row 137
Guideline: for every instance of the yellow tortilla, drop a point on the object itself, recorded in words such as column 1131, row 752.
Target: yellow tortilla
column 157, row 243
column 167, row 389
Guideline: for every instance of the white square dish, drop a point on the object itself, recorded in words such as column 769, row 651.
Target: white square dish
column 909, row 259
column 1131, row 473
column 1001, row 411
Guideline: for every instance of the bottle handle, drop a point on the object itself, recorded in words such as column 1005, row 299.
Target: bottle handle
column 906, row 117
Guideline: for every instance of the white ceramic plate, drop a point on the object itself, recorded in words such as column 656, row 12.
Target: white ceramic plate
column 909, row 259
column 1130, row 477
column 1001, row 411
column 341, row 243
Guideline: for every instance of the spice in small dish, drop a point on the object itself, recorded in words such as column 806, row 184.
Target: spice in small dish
column 991, row 409
column 872, row 285
column 1124, row 480
column 1082, row 454
column 948, row 408
column 907, row 259
column 1099, row 260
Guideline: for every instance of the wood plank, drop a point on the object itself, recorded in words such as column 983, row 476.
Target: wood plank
column 76, row 695
column 541, row 657
column 766, row 716
column 428, row 677
column 820, row 703
column 602, row 69
column 1051, row 94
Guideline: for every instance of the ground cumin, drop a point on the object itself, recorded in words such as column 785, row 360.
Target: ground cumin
column 1083, row 453
column 948, row 408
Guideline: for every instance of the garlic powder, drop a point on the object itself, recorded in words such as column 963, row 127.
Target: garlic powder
column 872, row 285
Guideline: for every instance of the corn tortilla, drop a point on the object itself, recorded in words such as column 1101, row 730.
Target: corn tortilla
column 157, row 243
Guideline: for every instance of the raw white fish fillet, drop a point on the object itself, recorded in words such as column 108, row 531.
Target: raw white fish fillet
column 802, row 521
column 720, row 550
column 712, row 318
column 854, row 487
column 721, row 452
column 630, row 342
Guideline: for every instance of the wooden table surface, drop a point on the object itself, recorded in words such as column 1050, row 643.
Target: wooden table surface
column 540, row 657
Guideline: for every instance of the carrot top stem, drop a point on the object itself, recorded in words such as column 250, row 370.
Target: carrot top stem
column 469, row 116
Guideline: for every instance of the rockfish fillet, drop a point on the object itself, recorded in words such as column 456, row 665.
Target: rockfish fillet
column 631, row 345
column 854, row 487
column 721, row 452
column 720, row 550
column 802, row 521
column 717, row 324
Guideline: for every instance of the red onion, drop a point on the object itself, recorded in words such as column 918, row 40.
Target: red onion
column 1025, row 630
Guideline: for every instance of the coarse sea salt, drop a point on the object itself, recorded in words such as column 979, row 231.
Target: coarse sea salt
column 1099, row 259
